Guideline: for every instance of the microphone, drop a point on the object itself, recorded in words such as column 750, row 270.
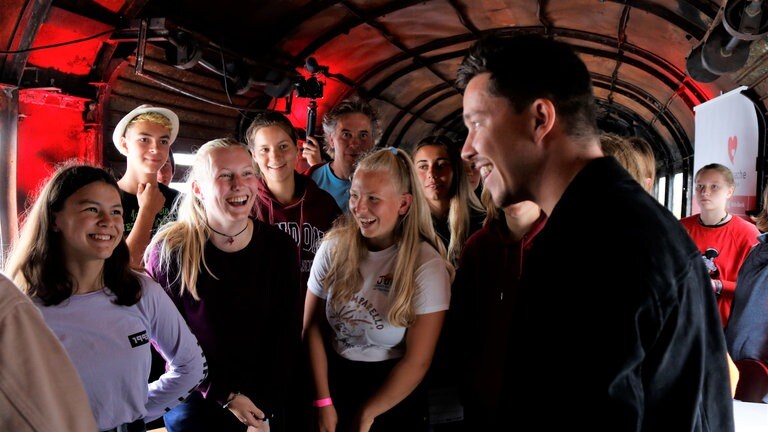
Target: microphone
column 313, row 66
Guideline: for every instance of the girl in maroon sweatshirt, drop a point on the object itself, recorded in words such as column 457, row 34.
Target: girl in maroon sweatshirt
column 286, row 198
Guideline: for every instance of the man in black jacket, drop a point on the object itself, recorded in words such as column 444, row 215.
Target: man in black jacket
column 614, row 324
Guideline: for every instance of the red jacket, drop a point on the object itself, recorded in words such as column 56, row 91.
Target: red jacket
column 733, row 240
column 306, row 220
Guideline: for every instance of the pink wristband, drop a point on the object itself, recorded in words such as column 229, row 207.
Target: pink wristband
column 322, row 402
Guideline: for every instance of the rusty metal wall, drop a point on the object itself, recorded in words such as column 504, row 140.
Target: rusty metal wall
column 9, row 113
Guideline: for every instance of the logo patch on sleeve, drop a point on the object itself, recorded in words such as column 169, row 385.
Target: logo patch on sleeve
column 138, row 339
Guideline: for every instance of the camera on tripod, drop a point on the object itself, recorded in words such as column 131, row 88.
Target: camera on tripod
column 311, row 88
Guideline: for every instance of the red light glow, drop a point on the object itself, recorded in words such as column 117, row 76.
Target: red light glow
column 61, row 27
column 112, row 5
column 52, row 129
column 696, row 92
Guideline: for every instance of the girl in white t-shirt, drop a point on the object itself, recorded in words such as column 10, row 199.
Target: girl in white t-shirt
column 379, row 289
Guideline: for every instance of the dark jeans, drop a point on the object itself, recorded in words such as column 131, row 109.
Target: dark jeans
column 198, row 414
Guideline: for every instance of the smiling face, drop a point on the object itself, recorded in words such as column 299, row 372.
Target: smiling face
column 499, row 143
column 377, row 206
column 229, row 192
column 90, row 223
column 275, row 153
column 146, row 145
column 712, row 191
column 433, row 165
column 352, row 138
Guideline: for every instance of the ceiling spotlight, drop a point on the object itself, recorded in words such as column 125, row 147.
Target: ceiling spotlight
column 727, row 47
column 746, row 19
column 722, row 53
column 238, row 76
column 184, row 51
column 694, row 65
column 279, row 85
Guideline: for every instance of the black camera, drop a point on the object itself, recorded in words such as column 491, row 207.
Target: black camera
column 311, row 88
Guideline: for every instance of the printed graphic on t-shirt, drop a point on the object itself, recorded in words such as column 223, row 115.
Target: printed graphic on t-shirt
column 306, row 236
column 138, row 339
column 306, row 265
column 159, row 220
column 709, row 261
column 383, row 284
column 356, row 317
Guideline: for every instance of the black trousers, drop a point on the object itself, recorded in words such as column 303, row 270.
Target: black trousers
column 353, row 382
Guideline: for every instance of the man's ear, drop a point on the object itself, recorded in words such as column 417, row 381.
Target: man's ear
column 544, row 116
column 405, row 204
column 123, row 145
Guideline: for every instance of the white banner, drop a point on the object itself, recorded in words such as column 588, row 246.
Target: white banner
column 726, row 132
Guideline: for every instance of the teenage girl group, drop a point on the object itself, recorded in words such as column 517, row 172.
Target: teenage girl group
column 289, row 301
column 271, row 307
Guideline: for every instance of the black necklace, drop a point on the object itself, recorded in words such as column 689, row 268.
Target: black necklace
column 230, row 238
column 720, row 222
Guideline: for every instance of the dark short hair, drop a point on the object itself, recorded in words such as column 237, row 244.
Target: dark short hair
column 270, row 118
column 526, row 67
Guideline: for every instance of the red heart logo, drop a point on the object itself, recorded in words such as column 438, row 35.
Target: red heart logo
column 733, row 143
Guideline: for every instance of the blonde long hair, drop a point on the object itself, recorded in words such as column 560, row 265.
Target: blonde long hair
column 182, row 242
column 415, row 226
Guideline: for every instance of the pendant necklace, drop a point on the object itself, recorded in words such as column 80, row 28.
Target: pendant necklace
column 720, row 222
column 230, row 238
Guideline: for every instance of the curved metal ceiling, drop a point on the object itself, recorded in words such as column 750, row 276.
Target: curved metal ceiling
column 402, row 55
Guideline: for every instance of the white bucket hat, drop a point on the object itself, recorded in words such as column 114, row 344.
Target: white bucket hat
column 142, row 109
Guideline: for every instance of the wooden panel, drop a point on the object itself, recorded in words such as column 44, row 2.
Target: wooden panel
column 200, row 121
